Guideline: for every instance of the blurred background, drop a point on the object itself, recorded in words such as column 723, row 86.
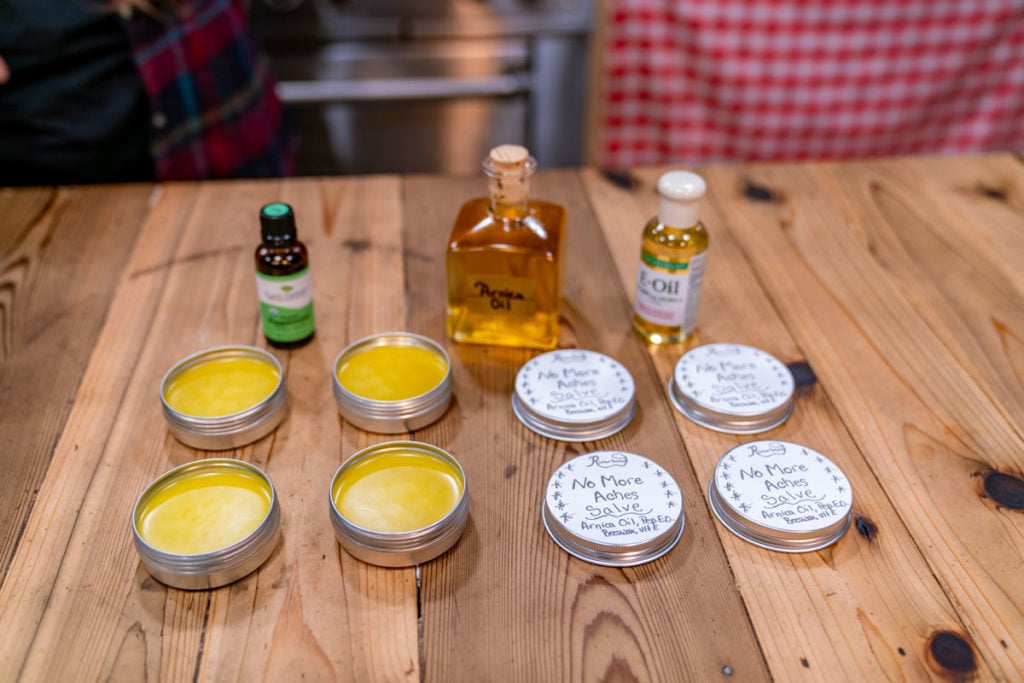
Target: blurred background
column 431, row 85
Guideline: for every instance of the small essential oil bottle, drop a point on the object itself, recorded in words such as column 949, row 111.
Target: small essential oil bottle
column 504, row 260
column 283, row 285
column 672, row 255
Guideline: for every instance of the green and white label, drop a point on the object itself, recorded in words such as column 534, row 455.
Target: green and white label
column 669, row 298
column 286, row 305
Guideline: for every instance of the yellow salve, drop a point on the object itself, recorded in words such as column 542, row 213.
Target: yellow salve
column 204, row 510
column 392, row 373
column 397, row 491
column 221, row 386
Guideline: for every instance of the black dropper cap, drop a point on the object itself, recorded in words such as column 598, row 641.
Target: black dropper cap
column 277, row 223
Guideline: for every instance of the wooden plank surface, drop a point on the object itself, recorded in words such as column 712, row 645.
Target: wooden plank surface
column 311, row 611
column 780, row 241
column 957, row 228
column 802, row 634
column 523, row 609
column 61, row 255
column 931, row 433
column 894, row 287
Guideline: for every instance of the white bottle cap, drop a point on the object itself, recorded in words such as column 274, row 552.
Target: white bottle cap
column 681, row 192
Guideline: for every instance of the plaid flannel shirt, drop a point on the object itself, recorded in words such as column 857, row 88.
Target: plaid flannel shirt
column 215, row 114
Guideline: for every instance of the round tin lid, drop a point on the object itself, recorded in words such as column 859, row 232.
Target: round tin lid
column 613, row 508
column 574, row 395
column 781, row 496
column 732, row 388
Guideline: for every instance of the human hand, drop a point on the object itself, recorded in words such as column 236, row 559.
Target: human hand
column 5, row 73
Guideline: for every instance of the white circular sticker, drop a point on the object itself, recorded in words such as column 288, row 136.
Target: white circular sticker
column 733, row 379
column 574, row 386
column 783, row 487
column 611, row 498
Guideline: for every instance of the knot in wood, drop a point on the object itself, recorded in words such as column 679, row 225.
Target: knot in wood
column 952, row 652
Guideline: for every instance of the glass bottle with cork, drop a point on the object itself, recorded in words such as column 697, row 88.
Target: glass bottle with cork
column 283, row 283
column 672, row 255
column 504, row 261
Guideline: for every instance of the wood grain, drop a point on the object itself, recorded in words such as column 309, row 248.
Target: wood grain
column 929, row 221
column 520, row 607
column 310, row 610
column 61, row 255
column 894, row 286
column 872, row 587
column 925, row 427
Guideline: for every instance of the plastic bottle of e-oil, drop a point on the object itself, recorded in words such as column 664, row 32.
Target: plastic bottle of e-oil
column 672, row 255
column 283, row 284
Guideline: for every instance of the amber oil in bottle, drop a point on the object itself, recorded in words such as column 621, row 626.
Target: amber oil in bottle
column 283, row 283
column 672, row 255
column 504, row 261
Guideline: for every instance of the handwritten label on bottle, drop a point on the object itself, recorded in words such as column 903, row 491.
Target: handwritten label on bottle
column 782, row 487
column 614, row 498
column 501, row 294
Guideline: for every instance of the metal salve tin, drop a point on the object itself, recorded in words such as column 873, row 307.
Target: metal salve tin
column 574, row 395
column 217, row 379
column 732, row 388
column 206, row 523
column 377, row 398
column 781, row 496
column 614, row 509
column 399, row 503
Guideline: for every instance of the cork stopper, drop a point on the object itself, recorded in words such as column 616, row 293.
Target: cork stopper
column 509, row 158
column 509, row 168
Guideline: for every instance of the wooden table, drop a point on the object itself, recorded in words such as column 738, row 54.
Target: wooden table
column 895, row 288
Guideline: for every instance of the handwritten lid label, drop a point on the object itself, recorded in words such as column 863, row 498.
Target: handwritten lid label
column 732, row 388
column 574, row 395
column 613, row 508
column 781, row 496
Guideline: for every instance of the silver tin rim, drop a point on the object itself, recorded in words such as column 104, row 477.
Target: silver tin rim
column 219, row 567
column 735, row 422
column 778, row 539
column 393, row 417
column 226, row 431
column 612, row 553
column 407, row 548
column 549, row 424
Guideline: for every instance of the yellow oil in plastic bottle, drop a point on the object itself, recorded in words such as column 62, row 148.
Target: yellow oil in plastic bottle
column 672, row 256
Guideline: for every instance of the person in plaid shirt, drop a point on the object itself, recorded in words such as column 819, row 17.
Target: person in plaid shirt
column 135, row 90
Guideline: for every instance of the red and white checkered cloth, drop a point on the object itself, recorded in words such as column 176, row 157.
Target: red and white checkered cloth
column 709, row 80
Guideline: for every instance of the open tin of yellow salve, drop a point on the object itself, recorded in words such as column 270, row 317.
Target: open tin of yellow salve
column 206, row 523
column 399, row 503
column 392, row 382
column 224, row 397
